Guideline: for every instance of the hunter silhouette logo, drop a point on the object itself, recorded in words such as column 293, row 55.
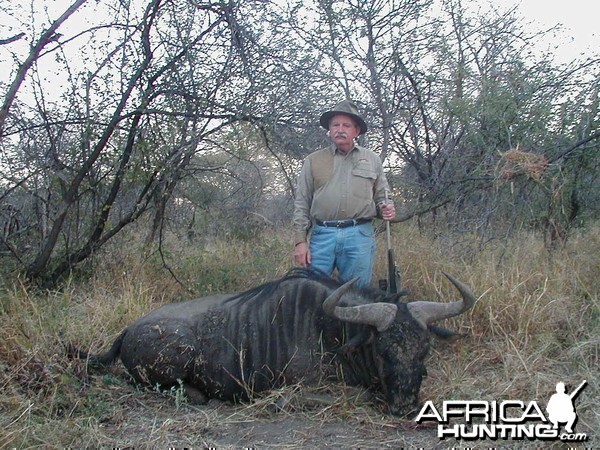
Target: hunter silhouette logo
column 508, row 419
column 560, row 406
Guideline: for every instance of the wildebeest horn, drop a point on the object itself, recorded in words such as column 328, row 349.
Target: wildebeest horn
column 380, row 315
column 429, row 312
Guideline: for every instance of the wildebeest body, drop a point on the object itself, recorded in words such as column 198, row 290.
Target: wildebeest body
column 231, row 346
column 249, row 343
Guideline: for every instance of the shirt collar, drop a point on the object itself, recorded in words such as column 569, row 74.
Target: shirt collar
column 356, row 148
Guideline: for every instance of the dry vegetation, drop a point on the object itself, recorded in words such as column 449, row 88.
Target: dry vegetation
column 536, row 323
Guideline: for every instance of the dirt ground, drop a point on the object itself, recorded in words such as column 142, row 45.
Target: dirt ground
column 146, row 419
column 151, row 420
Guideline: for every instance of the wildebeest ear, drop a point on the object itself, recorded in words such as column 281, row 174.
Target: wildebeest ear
column 445, row 334
column 358, row 340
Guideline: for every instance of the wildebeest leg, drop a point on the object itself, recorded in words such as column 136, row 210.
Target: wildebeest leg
column 444, row 334
column 160, row 353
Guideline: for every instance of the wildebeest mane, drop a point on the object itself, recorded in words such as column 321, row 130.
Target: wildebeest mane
column 266, row 289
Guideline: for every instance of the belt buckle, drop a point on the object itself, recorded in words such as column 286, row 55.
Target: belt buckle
column 340, row 223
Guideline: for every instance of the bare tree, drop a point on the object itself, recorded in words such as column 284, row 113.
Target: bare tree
column 47, row 36
column 184, row 104
column 151, row 107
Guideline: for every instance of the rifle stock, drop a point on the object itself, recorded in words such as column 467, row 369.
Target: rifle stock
column 392, row 273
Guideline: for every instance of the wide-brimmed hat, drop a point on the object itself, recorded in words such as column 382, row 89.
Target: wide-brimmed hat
column 349, row 109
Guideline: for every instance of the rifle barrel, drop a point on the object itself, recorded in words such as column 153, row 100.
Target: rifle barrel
column 573, row 394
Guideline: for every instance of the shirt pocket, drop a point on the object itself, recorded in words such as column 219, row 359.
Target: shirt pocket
column 363, row 181
column 364, row 173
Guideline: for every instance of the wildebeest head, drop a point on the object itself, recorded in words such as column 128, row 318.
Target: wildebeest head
column 401, row 341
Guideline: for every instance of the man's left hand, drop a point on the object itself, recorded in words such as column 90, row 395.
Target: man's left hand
column 388, row 211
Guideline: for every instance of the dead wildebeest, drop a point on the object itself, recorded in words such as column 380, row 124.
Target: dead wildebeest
column 302, row 328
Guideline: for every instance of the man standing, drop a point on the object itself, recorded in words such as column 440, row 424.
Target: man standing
column 340, row 190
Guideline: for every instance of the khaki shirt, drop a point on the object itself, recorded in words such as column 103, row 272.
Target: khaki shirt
column 334, row 186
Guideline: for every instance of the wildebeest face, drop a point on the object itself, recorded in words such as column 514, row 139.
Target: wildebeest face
column 401, row 352
column 402, row 338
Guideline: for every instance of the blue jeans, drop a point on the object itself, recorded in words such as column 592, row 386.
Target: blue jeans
column 350, row 250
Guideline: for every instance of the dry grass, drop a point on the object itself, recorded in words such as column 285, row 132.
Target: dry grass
column 536, row 323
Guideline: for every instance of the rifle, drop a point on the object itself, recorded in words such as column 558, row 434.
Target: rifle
column 576, row 391
column 391, row 284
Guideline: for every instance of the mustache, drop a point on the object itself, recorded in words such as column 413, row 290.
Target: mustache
column 340, row 134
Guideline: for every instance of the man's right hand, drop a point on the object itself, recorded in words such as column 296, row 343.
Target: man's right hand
column 302, row 254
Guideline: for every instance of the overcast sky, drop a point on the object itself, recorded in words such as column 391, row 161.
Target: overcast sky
column 580, row 19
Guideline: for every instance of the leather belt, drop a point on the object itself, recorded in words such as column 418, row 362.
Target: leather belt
column 342, row 223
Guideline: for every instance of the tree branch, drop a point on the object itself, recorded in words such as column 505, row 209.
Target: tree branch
column 47, row 36
column 11, row 39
